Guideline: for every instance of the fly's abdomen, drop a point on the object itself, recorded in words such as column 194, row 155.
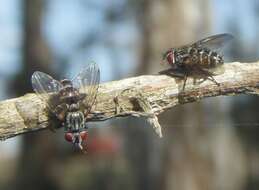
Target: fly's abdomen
column 75, row 121
column 210, row 59
column 205, row 58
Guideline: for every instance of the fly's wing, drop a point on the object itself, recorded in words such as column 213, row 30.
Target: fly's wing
column 87, row 82
column 214, row 42
column 46, row 88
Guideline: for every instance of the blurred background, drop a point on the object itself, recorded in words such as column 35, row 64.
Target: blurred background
column 213, row 144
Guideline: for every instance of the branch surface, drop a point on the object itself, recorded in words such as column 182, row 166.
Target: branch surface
column 146, row 96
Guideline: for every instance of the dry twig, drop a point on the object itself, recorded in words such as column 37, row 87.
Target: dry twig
column 149, row 96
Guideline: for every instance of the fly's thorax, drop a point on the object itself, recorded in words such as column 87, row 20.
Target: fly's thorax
column 67, row 100
column 68, row 93
column 181, row 54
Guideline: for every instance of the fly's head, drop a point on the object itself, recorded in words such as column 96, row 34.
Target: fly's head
column 75, row 128
column 170, row 57
column 76, row 138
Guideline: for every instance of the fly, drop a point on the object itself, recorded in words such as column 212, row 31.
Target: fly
column 70, row 100
column 200, row 58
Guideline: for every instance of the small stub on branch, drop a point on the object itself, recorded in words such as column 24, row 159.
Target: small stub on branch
column 145, row 109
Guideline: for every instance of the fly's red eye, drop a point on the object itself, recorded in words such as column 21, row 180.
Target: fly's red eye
column 170, row 58
column 83, row 135
column 69, row 137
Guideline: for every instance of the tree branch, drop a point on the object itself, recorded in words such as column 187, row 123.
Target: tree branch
column 142, row 96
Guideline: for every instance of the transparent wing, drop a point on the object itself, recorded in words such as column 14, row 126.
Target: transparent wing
column 45, row 87
column 87, row 81
column 214, row 42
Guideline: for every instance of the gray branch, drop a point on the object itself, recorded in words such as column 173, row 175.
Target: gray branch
column 144, row 96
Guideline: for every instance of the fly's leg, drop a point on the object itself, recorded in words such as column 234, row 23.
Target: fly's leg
column 186, row 73
column 85, row 127
column 211, row 78
column 55, row 123
column 180, row 72
column 52, row 128
column 184, row 81
column 208, row 74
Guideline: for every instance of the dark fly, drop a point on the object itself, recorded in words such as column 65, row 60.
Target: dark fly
column 200, row 58
column 70, row 100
